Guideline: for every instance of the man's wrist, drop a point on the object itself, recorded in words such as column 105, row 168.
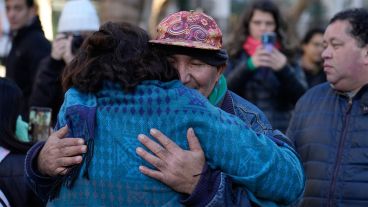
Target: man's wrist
column 192, row 186
column 38, row 164
column 31, row 165
column 205, row 189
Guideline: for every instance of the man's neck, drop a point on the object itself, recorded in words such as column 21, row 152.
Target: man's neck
column 351, row 93
column 29, row 22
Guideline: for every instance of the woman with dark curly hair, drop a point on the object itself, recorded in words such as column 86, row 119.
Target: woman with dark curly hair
column 118, row 88
column 267, row 76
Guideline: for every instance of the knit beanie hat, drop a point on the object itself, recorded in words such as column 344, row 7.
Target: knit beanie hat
column 78, row 15
column 191, row 33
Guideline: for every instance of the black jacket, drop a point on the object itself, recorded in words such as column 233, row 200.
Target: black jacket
column 13, row 184
column 330, row 132
column 275, row 93
column 47, row 90
column 29, row 47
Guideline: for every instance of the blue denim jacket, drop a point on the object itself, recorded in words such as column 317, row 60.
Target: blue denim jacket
column 214, row 187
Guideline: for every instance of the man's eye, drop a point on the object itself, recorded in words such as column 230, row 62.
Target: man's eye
column 197, row 64
column 336, row 45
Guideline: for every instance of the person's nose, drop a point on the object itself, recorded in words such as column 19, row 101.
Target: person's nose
column 263, row 27
column 183, row 73
column 326, row 53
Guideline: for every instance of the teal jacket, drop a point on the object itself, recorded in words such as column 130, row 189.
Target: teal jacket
column 111, row 119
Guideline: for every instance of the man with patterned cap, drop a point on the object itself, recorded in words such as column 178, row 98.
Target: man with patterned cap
column 193, row 42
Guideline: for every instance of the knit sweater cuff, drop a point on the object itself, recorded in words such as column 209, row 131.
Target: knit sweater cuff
column 205, row 190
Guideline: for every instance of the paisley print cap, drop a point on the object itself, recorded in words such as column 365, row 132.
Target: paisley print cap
column 189, row 29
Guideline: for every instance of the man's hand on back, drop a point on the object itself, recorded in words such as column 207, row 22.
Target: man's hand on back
column 59, row 153
column 177, row 168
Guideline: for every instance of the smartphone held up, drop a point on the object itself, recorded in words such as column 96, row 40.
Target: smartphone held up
column 268, row 40
column 39, row 123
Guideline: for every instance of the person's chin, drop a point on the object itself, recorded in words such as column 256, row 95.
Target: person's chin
column 14, row 28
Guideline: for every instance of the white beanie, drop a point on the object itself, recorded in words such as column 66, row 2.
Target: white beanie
column 78, row 15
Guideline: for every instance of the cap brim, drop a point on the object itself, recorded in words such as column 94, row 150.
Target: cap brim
column 191, row 44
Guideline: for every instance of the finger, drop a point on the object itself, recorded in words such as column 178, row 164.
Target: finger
column 69, row 161
column 61, row 171
column 264, row 54
column 60, row 48
column 67, row 142
column 194, row 144
column 164, row 140
column 261, row 50
column 152, row 173
column 153, row 160
column 61, row 133
column 265, row 59
column 73, row 150
column 157, row 149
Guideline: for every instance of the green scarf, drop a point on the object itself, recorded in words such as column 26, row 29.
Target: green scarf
column 218, row 91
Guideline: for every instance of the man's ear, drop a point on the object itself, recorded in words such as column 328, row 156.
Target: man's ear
column 365, row 54
column 220, row 71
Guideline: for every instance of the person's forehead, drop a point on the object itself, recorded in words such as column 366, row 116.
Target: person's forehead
column 183, row 57
column 16, row 3
column 317, row 38
column 337, row 31
column 262, row 15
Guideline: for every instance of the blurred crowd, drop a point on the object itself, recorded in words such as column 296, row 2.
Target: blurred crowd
column 259, row 62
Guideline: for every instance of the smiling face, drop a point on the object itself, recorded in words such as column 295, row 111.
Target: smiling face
column 195, row 73
column 261, row 22
column 345, row 62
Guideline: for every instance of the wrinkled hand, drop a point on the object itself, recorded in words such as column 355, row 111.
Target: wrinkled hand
column 175, row 167
column 274, row 59
column 58, row 47
column 59, row 153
